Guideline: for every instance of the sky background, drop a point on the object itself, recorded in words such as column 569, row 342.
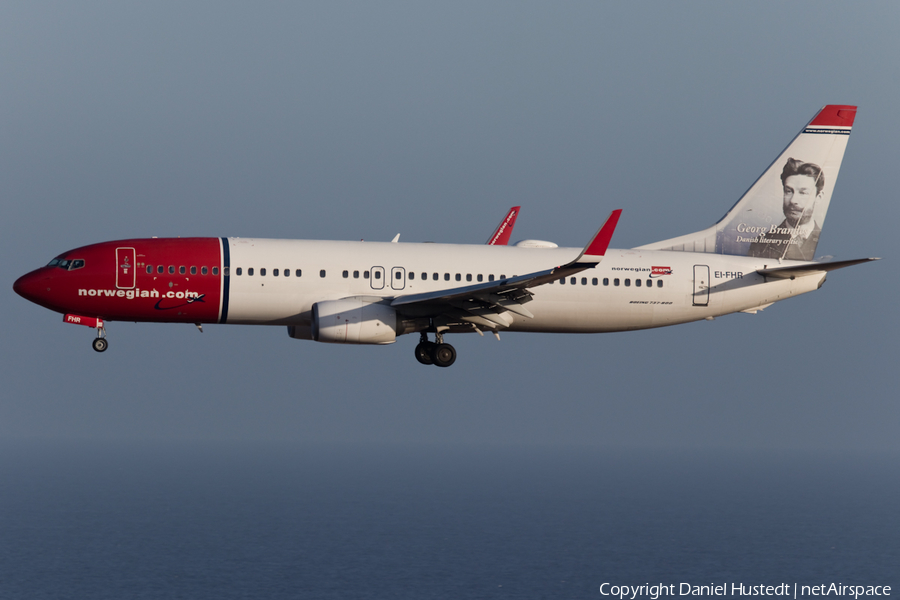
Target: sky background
column 349, row 120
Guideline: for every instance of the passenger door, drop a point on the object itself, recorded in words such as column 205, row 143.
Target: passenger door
column 701, row 285
column 125, row 270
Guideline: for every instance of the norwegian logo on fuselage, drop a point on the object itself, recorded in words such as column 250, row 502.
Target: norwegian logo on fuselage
column 660, row 271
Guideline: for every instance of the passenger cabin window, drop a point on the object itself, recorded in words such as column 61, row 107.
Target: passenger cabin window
column 262, row 272
column 435, row 276
column 238, row 271
column 181, row 270
column 649, row 283
column 480, row 277
column 659, row 283
column 204, row 271
column 573, row 280
column 616, row 281
column 637, row 282
column 250, row 271
column 458, row 277
column 216, row 270
column 298, row 272
column 446, row 276
column 606, row 281
column 193, row 270
column 412, row 275
column 287, row 272
column 345, row 274
column 160, row 269
column 322, row 273
column 274, row 272
column 491, row 277
column 627, row 282
column 365, row 274
column 468, row 277
column 355, row 274
column 149, row 269
column 594, row 281
column 171, row 270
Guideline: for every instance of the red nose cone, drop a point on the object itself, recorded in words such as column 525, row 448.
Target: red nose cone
column 33, row 286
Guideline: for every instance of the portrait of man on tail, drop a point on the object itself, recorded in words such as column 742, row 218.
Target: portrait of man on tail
column 797, row 236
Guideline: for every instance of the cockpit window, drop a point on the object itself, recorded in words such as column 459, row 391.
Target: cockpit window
column 64, row 263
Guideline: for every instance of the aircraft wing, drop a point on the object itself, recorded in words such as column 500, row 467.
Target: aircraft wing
column 485, row 303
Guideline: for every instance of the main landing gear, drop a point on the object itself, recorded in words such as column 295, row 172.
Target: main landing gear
column 431, row 353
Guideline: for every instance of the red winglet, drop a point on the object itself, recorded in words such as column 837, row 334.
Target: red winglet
column 835, row 115
column 600, row 243
column 500, row 237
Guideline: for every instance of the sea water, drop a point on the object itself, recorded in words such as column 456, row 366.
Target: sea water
column 239, row 520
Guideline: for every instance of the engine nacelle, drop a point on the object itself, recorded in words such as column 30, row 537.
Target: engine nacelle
column 353, row 321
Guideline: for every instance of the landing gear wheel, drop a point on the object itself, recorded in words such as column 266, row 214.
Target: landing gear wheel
column 423, row 353
column 443, row 355
column 100, row 344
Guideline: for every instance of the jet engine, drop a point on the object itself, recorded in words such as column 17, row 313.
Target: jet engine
column 353, row 321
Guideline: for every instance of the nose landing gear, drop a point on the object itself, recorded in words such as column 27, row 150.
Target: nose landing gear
column 431, row 353
column 99, row 344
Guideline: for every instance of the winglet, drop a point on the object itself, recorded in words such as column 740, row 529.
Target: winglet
column 596, row 248
column 500, row 237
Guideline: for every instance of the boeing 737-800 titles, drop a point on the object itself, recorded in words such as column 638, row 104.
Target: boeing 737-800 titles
column 760, row 252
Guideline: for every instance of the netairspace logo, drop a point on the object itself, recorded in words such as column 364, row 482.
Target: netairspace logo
column 785, row 590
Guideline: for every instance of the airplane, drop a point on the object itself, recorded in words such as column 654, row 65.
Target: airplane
column 348, row 292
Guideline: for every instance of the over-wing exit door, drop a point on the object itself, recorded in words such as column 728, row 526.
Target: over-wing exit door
column 398, row 278
column 376, row 280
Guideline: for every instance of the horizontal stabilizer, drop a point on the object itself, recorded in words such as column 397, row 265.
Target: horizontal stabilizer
column 809, row 269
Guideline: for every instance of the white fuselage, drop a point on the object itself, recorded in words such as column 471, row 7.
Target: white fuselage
column 693, row 286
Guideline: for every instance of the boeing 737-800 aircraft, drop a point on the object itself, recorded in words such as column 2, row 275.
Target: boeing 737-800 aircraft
column 760, row 252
